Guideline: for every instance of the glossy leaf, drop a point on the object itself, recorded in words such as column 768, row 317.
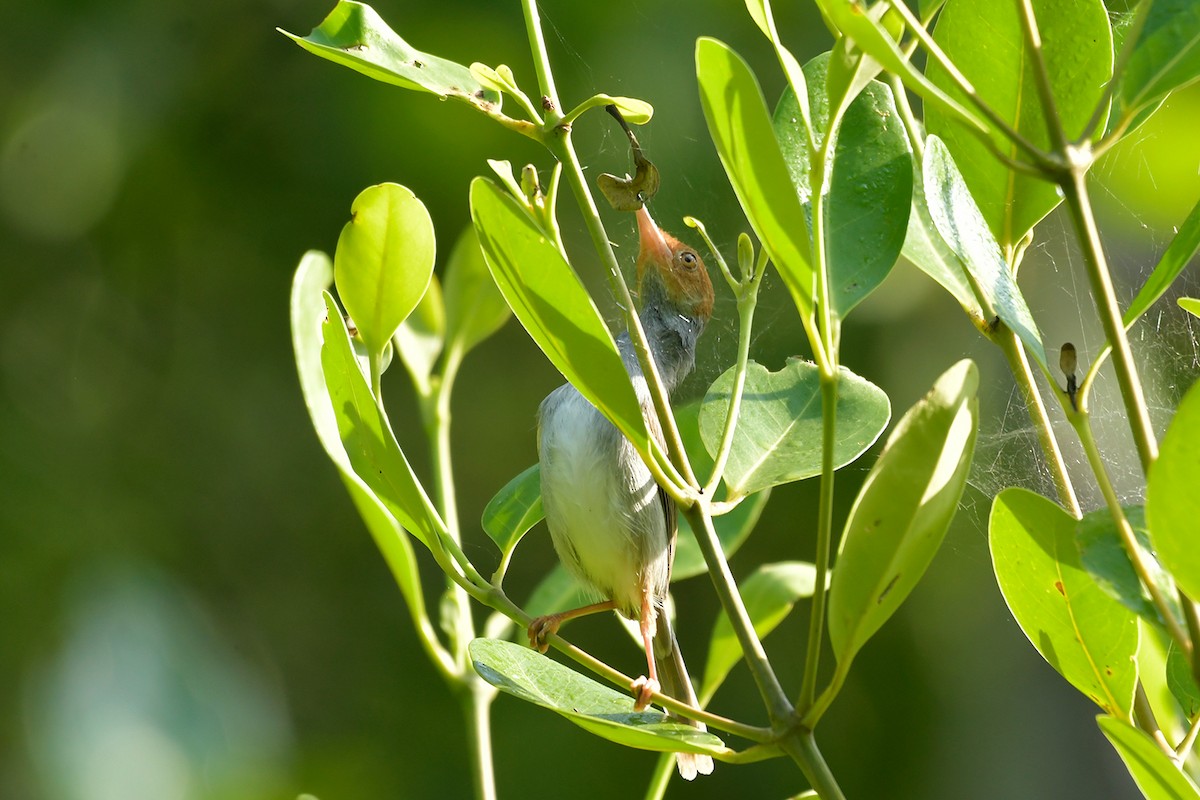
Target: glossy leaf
column 925, row 248
column 313, row 277
column 1103, row 555
column 1166, row 56
column 986, row 43
column 903, row 510
column 760, row 12
column 515, row 509
column 419, row 339
column 384, row 261
column 367, row 436
column 869, row 191
column 355, row 36
column 740, row 127
column 769, row 593
column 1172, row 499
column 531, row 676
column 961, row 225
column 1087, row 636
column 475, row 309
column 1190, row 305
column 1152, row 771
column 779, row 428
column 554, row 307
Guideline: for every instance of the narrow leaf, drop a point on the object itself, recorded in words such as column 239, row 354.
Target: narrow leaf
column 986, row 44
column 740, row 127
column 554, row 307
column 1190, row 305
column 1166, row 56
column 475, row 309
column 1177, row 256
column 354, row 36
column 1172, row 502
column 308, row 310
column 534, row 678
column 962, row 227
column 367, row 436
column 514, row 510
column 769, row 593
column 903, row 510
column 1087, row 636
column 1182, row 682
column 1152, row 770
column 779, row 429
column 925, row 248
column 384, row 261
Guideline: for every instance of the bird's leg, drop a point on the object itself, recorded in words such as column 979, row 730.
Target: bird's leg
column 543, row 627
column 647, row 684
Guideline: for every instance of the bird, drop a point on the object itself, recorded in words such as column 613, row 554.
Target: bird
column 612, row 526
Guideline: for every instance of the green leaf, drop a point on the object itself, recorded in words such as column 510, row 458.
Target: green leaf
column 475, row 309
column 985, row 42
column 514, row 510
column 869, row 192
column 1190, row 305
column 740, row 127
column 760, row 12
column 420, row 337
column 779, row 428
column 308, row 310
column 1152, row 770
column 1087, row 636
column 531, row 676
column 554, row 307
column 1172, row 502
column 557, row 591
column 1182, row 682
column 903, row 510
column 925, row 248
column 354, row 36
column 1103, row 555
column 961, row 225
column 1166, row 56
column 384, row 261
column 635, row 112
column 769, row 593
column 367, row 436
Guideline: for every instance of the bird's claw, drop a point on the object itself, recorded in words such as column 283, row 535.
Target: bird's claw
column 643, row 689
column 542, row 628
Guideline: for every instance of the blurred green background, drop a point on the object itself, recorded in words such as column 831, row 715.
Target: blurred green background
column 191, row 607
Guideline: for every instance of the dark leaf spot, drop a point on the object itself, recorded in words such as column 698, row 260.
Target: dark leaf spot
column 1058, row 585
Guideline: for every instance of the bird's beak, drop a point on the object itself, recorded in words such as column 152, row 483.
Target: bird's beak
column 653, row 246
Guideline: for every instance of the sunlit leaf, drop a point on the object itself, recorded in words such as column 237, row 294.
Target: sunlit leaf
column 1103, row 555
column 354, row 36
column 962, row 227
column 384, row 260
column 1190, row 305
column 514, row 510
column 313, row 277
column 760, row 12
column 769, row 594
column 1152, row 771
column 418, row 341
column 779, row 428
column 903, row 510
column 1172, row 499
column 740, row 127
column 1166, row 56
column 475, row 309
column 869, row 193
column 1090, row 638
column 986, row 44
column 554, row 307
column 524, row 673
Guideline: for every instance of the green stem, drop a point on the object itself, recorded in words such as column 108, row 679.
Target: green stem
column 1079, row 202
column 746, row 306
column 1018, row 363
column 1143, row 714
column 1185, row 746
column 802, row 747
column 660, row 779
column 1033, row 40
column 376, row 370
column 541, row 57
column 778, row 706
column 476, row 700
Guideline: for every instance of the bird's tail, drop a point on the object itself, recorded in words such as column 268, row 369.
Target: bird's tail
column 673, row 677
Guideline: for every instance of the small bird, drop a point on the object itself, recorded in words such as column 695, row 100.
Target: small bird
column 612, row 526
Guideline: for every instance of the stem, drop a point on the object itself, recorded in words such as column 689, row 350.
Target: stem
column 731, row 601
column 477, row 707
column 1023, row 374
column 1075, row 189
column 1144, row 715
column 541, row 57
column 1082, row 424
column 376, row 370
column 746, row 306
column 1185, row 746
column 816, row 620
column 660, row 779
column 1033, row 39
column 802, row 747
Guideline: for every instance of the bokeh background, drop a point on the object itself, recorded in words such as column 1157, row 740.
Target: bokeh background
column 189, row 606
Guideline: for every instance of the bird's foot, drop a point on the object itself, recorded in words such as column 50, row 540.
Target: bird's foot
column 540, row 629
column 643, row 688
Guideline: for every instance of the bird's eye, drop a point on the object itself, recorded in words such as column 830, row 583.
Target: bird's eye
column 688, row 259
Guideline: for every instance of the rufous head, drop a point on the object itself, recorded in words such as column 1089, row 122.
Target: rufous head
column 676, row 267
